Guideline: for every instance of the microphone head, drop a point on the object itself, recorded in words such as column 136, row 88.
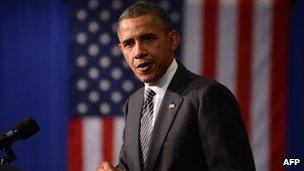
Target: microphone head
column 25, row 128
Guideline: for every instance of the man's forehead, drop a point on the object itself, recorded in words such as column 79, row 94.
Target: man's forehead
column 138, row 21
column 136, row 26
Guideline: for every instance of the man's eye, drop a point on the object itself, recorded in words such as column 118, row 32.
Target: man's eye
column 127, row 44
column 148, row 38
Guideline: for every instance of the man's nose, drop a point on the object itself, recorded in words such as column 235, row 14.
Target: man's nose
column 139, row 51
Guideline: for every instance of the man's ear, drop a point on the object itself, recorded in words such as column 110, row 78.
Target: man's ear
column 174, row 38
column 120, row 47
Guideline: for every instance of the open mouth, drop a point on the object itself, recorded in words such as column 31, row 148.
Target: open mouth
column 144, row 66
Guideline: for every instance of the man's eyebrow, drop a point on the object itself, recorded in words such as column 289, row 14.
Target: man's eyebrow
column 147, row 35
column 126, row 41
column 140, row 36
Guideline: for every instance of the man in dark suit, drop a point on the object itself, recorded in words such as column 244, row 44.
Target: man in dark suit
column 178, row 120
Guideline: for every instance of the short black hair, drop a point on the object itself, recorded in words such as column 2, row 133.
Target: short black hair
column 146, row 8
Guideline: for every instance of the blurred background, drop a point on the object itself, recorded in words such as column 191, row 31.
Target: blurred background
column 59, row 64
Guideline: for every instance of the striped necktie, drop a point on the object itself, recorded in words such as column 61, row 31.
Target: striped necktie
column 146, row 123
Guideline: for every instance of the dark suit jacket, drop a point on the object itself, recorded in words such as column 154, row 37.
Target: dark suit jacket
column 203, row 131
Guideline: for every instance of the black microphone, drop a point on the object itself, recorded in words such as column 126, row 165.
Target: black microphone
column 20, row 131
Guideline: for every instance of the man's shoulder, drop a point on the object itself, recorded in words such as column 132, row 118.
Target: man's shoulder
column 201, row 85
column 192, row 79
column 196, row 81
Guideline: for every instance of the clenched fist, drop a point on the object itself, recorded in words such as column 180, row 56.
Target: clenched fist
column 106, row 166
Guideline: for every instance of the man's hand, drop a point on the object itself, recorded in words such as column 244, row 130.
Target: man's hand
column 106, row 166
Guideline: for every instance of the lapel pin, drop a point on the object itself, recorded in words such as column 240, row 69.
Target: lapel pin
column 172, row 105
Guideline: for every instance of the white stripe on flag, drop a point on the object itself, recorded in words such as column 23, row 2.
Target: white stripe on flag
column 260, row 111
column 118, row 130
column 192, row 36
column 227, row 43
column 92, row 144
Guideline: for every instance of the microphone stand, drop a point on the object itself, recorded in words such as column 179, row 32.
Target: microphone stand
column 10, row 154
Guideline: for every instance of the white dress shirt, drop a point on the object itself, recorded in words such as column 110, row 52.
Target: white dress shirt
column 160, row 88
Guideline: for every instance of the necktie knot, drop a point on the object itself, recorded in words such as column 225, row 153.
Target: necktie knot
column 149, row 94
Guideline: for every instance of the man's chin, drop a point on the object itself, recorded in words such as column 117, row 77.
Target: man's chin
column 147, row 80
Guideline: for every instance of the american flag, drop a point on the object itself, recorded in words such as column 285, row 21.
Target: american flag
column 100, row 83
column 241, row 43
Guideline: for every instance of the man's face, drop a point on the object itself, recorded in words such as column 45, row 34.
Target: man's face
column 147, row 47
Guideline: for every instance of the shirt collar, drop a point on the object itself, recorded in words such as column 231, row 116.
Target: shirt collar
column 162, row 84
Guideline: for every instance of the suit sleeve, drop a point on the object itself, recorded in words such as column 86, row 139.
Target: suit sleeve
column 122, row 163
column 222, row 132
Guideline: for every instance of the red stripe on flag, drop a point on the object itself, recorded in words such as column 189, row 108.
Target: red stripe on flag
column 279, row 60
column 75, row 158
column 244, row 55
column 210, row 37
column 108, row 139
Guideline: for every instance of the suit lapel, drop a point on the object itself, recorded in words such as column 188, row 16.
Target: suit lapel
column 164, row 120
column 166, row 115
column 135, row 114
